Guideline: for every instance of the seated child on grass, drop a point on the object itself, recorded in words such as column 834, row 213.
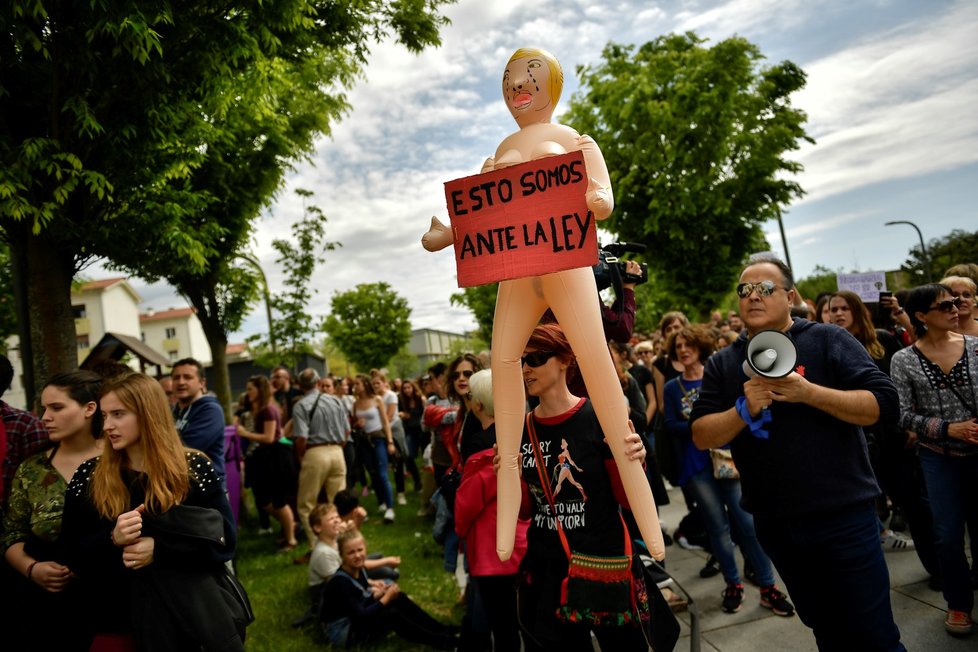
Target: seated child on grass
column 325, row 559
column 359, row 609
column 353, row 516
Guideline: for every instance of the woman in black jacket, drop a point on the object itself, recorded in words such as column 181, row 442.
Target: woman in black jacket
column 149, row 529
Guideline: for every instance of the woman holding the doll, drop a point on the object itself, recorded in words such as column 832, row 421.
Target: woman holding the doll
column 561, row 428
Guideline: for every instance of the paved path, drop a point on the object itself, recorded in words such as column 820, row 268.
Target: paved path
column 919, row 612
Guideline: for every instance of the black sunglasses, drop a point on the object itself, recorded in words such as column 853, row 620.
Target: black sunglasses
column 457, row 374
column 537, row 358
column 947, row 305
column 764, row 289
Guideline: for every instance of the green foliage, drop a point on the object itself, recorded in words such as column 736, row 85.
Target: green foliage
column 822, row 279
column 481, row 301
column 959, row 246
column 8, row 308
column 695, row 141
column 292, row 327
column 404, row 364
column 369, row 324
column 131, row 123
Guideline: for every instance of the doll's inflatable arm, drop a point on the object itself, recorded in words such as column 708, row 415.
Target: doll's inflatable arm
column 438, row 236
column 600, row 199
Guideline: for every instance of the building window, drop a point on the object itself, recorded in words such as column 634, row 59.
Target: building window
column 171, row 333
column 80, row 312
column 173, row 355
column 81, row 342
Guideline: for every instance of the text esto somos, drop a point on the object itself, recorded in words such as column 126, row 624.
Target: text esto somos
column 484, row 195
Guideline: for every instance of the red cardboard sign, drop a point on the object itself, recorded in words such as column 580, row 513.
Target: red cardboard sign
column 525, row 220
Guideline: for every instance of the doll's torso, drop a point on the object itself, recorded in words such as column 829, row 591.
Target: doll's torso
column 534, row 142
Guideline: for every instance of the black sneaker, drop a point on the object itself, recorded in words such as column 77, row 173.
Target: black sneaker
column 711, row 569
column 777, row 602
column 733, row 597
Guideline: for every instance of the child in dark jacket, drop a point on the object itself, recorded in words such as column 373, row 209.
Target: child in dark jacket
column 357, row 609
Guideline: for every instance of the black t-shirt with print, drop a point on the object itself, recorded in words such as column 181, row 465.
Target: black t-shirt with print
column 584, row 499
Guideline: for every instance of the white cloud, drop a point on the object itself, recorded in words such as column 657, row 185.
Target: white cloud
column 740, row 16
column 883, row 104
column 900, row 104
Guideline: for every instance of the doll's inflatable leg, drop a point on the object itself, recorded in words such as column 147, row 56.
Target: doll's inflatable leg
column 519, row 306
column 573, row 297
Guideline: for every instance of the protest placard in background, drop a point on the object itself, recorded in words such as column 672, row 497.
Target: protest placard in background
column 867, row 285
column 525, row 220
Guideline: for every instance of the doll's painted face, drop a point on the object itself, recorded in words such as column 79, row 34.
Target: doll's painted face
column 526, row 89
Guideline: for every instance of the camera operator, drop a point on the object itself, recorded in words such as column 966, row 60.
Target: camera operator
column 618, row 319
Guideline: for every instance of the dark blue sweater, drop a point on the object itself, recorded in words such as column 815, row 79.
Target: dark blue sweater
column 812, row 461
column 201, row 426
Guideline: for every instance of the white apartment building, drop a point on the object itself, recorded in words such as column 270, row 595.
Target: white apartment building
column 176, row 333
column 106, row 306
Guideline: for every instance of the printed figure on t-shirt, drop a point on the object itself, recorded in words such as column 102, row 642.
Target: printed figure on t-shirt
column 563, row 470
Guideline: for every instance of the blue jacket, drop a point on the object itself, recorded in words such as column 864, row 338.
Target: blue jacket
column 812, row 461
column 201, row 426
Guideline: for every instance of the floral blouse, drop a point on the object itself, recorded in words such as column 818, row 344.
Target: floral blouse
column 931, row 400
column 37, row 500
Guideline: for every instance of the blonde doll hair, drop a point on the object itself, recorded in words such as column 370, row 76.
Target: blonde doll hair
column 556, row 72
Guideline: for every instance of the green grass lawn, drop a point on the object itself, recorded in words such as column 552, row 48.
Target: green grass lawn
column 278, row 588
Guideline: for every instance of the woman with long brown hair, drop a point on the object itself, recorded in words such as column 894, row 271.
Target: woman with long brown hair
column 848, row 311
column 271, row 467
column 410, row 403
column 131, row 539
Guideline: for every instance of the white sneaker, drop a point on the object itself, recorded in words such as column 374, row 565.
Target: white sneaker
column 389, row 515
column 401, row 499
column 891, row 540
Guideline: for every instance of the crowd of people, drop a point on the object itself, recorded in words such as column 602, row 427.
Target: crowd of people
column 121, row 486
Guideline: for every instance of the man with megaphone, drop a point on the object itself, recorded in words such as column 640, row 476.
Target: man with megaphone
column 790, row 397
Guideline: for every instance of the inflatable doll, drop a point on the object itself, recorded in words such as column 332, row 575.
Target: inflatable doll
column 532, row 84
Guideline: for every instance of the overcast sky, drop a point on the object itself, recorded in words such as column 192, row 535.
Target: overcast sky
column 891, row 101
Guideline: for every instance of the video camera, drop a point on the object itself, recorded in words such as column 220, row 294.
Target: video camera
column 611, row 271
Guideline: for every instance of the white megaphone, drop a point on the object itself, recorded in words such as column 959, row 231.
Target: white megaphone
column 771, row 354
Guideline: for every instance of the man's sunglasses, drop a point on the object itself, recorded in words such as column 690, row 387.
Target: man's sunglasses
column 764, row 289
column 947, row 305
column 537, row 358
column 458, row 374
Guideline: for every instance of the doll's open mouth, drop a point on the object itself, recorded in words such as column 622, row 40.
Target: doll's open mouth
column 522, row 100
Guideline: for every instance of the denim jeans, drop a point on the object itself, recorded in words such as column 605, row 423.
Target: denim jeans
column 719, row 503
column 381, row 479
column 952, row 486
column 832, row 565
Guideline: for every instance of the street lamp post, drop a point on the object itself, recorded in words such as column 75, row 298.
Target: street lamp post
column 923, row 247
column 784, row 243
column 248, row 258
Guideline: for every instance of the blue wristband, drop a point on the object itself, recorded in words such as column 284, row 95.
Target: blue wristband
column 756, row 425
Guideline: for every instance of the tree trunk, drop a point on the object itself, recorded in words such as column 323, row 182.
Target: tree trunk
column 205, row 302
column 47, row 272
column 222, row 379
